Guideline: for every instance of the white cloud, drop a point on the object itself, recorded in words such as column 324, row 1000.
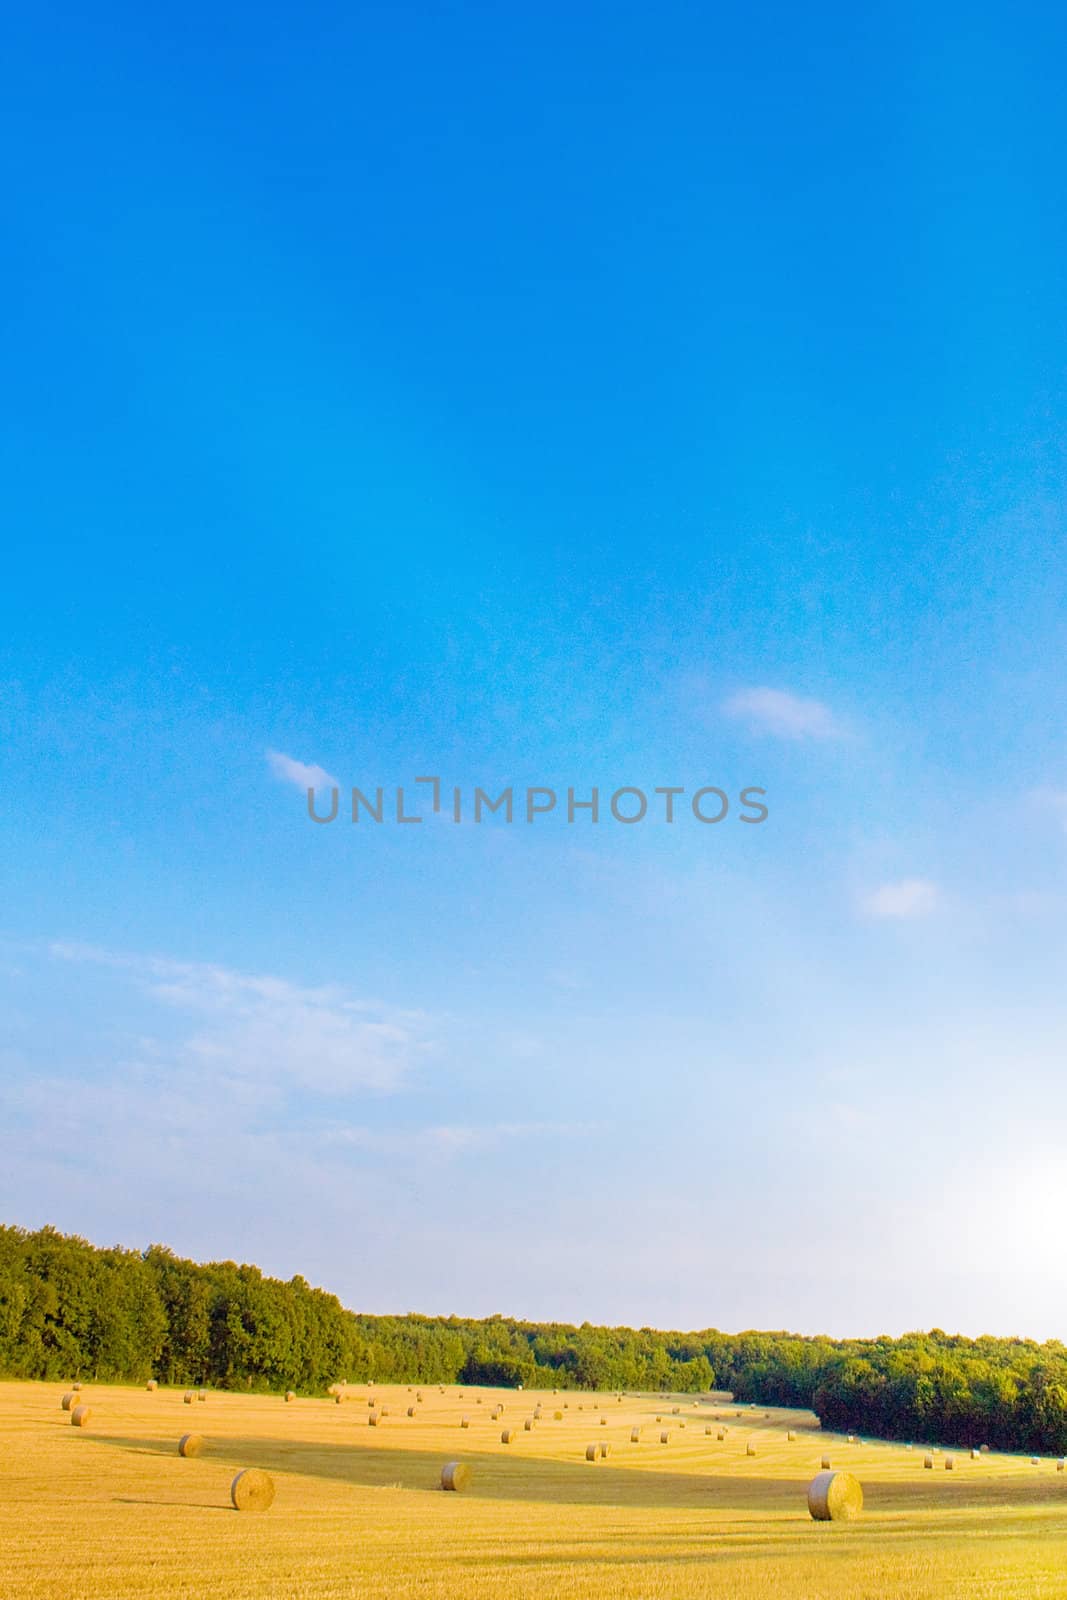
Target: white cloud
column 270, row 1032
column 787, row 716
column 910, row 897
column 300, row 773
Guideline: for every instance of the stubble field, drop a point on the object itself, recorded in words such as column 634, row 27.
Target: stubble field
column 112, row 1512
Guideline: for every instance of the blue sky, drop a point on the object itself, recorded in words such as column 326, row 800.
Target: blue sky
column 570, row 397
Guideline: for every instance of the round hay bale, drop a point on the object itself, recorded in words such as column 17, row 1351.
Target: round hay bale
column 464, row 1422
column 557, row 1416
column 976, row 1455
column 75, row 1387
column 188, row 1397
column 384, row 1412
column 507, row 1436
column 720, row 1434
column 201, row 1394
column 80, row 1416
column 478, row 1400
column 151, row 1385
column 496, row 1413
column 908, row 1447
column 289, row 1396
column 252, row 1490
column 825, row 1463
column 834, row 1497
column 411, row 1411
column 603, row 1422
column 1035, row 1461
column 373, row 1420
column 928, row 1463
column 69, row 1401
column 664, row 1437
column 528, row 1425
column 708, row 1430
column 750, row 1448
column 984, row 1448
column 675, row 1410
column 455, row 1475
column 418, row 1402
column 371, row 1402
column 950, row 1463
column 590, row 1452
column 1061, row 1463
column 635, row 1435
column 604, row 1448
column 190, row 1444
column 659, row 1419
column 790, row 1436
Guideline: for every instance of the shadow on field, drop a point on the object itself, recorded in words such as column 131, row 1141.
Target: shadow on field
column 194, row 1505
column 497, row 1475
column 508, row 1475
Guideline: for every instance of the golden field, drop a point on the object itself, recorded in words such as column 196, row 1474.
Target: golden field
column 112, row 1511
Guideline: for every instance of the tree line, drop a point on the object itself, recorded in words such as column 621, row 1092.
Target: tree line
column 71, row 1310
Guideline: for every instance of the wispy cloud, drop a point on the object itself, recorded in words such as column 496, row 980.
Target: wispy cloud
column 910, row 897
column 300, row 773
column 1054, row 801
column 451, row 1138
column 271, row 1031
column 785, row 715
